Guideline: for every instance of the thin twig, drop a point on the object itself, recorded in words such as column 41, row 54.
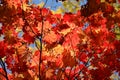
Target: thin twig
column 83, row 68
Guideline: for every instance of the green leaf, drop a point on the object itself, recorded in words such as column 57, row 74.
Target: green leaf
column 116, row 6
column 117, row 32
column 37, row 43
column 71, row 6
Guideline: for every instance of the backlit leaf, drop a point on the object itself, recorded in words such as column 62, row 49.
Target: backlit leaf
column 28, row 37
column 49, row 73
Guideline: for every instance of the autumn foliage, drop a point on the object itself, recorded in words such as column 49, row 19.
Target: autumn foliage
column 71, row 46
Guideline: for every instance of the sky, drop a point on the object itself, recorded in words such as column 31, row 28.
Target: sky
column 52, row 4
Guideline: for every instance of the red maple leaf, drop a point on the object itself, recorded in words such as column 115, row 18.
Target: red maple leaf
column 28, row 37
column 3, row 49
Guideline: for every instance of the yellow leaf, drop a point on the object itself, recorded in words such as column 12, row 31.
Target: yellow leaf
column 65, row 31
column 21, row 76
column 49, row 73
column 72, row 53
column 58, row 11
column 102, row 0
column 36, row 78
column 70, row 6
column 25, row 6
column 37, row 43
column 58, row 50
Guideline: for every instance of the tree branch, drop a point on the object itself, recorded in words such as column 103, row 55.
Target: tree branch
column 41, row 38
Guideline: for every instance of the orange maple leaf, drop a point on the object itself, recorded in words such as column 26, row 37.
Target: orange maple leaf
column 49, row 73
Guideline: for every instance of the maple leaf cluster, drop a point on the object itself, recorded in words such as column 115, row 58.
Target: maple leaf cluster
column 69, row 46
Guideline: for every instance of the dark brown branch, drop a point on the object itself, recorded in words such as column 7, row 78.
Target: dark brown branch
column 41, row 42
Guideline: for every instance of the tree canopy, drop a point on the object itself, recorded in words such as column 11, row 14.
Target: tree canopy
column 77, row 41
